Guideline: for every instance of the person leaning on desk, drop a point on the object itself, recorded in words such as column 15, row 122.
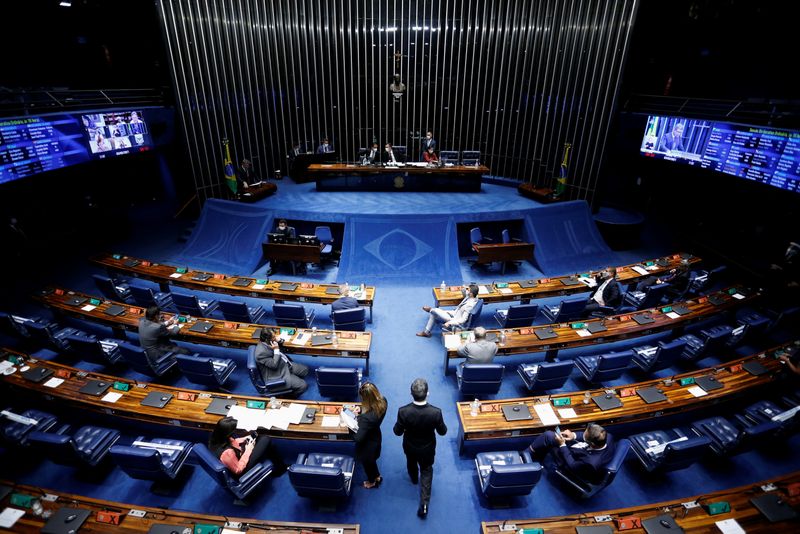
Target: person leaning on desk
column 154, row 335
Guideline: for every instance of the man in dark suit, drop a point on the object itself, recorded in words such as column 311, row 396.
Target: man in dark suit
column 284, row 229
column 345, row 301
column 274, row 365
column 607, row 293
column 154, row 335
column 673, row 140
column 373, row 156
column 428, row 142
column 325, row 147
column 417, row 422
column 583, row 454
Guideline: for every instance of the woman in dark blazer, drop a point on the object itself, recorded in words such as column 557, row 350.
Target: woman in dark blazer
column 368, row 436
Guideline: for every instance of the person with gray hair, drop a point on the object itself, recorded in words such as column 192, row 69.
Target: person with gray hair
column 418, row 423
column 479, row 351
column 345, row 301
column 584, row 453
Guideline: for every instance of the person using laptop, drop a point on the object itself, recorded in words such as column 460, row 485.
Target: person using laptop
column 583, row 454
column 607, row 294
column 154, row 335
column 479, row 351
column 345, row 301
column 368, row 437
column 273, row 364
column 240, row 451
column 453, row 318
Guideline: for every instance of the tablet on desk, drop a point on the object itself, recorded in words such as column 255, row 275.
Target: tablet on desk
column 288, row 287
column 320, row 340
column 37, row 374
column 643, row 319
column 220, row 406
column 114, row 310
column 201, row 327
column 332, row 290
column 527, row 284
column 517, row 412
column 131, row 263
column 201, row 277
column 164, row 528
column 242, row 282
column 76, row 301
column 66, row 520
column 156, row 399
column 95, row 387
column 545, row 333
column 570, row 281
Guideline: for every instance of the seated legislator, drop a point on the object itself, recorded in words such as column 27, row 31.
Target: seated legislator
column 607, row 293
column 583, row 454
column 373, row 156
column 479, row 351
column 678, row 278
column 430, row 156
column 275, row 365
column 345, row 301
column 154, row 335
column 325, row 147
column 239, row 450
column 451, row 318
column 288, row 231
column 389, row 157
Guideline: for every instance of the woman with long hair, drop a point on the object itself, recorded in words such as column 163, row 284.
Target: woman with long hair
column 240, row 450
column 368, row 437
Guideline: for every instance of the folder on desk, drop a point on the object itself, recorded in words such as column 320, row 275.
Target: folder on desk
column 708, row 383
column 332, row 290
column 651, row 395
column 570, row 281
column 755, row 368
column 607, row 401
column 220, row 406
column 201, row 327
column 517, row 412
column 201, row 277
column 717, row 300
column 773, row 508
column 76, row 301
column 545, row 333
column 242, row 282
column 527, row 284
column 491, row 336
column 288, row 287
column 156, row 399
column 681, row 310
column 95, row 387
column 63, row 521
column 114, row 310
column 655, row 525
column 595, row 327
column 643, row 318
column 594, row 529
column 324, row 339
column 131, row 263
column 37, row 374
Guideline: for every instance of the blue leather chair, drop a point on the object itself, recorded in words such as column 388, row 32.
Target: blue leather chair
column 709, row 341
column 602, row 367
column 234, row 310
column 16, row 433
column 546, row 375
column 145, row 297
column 765, row 411
column 90, row 348
column 727, row 439
column 518, row 316
column 10, row 327
column 507, row 473
column 51, row 335
column 472, row 320
column 338, row 382
column 191, row 305
column 89, row 445
column 703, row 279
column 136, row 358
column 648, row 298
column 354, row 319
column 276, row 387
column 566, row 310
column 319, row 475
column 204, row 370
column 475, row 236
column 293, row 315
column 479, row 378
column 751, row 325
column 325, row 238
column 241, row 487
column 119, row 291
column 585, row 489
column 651, row 358
column 675, row 456
column 157, row 459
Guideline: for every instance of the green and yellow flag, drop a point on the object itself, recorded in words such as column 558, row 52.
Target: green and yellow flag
column 561, row 181
column 230, row 170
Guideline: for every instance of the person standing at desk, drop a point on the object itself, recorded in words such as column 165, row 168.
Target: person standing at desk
column 427, row 144
column 246, row 176
column 154, row 335
column 325, row 147
column 345, row 301
column 368, row 437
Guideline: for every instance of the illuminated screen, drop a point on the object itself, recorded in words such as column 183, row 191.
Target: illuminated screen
column 764, row 155
column 115, row 133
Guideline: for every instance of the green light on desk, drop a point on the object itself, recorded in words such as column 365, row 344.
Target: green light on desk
column 182, row 270
column 576, row 326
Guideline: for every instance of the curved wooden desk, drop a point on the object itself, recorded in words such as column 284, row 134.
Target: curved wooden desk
column 178, row 412
column 223, row 333
column 691, row 520
column 553, row 287
column 30, row 523
column 167, row 275
column 736, row 381
column 618, row 327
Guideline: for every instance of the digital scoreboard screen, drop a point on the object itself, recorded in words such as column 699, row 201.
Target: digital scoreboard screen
column 764, row 155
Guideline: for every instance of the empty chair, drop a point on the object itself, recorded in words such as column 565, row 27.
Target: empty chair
column 702, row 280
column 157, row 459
column 545, row 376
column 14, row 327
column 603, row 367
column 475, row 236
column 338, row 382
column 708, row 341
column 104, row 351
column 506, row 236
column 566, row 310
column 191, row 305
column 113, row 290
column 89, row 445
column 234, row 310
column 275, row 387
column 766, row 411
column 146, row 297
column 726, row 438
column 16, row 427
column 585, row 489
column 518, row 316
column 51, row 335
column 650, row 297
column 479, row 378
column 507, row 473
column 669, row 450
column 204, row 370
column 293, row 315
column 751, row 325
column 241, row 487
column 325, row 238
column 352, row 319
column 320, row 475
column 138, row 359
column 651, row 358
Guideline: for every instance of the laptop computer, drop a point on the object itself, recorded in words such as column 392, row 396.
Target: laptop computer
column 322, row 339
column 76, row 301
column 527, row 284
column 661, row 524
column 651, row 395
column 517, row 412
column 570, row 281
column 95, row 387
column 201, row 327
column 681, row 310
column 594, row 529
column 114, row 310
column 643, row 319
column 717, row 300
column 288, row 287
column 595, row 327
column 607, row 401
column 37, row 374
column 545, row 333
column 755, row 368
column 308, row 416
column 156, row 399
column 201, row 277
column 242, row 282
column 332, row 290
column 220, row 406
column 131, row 263
column 773, row 508
column 708, row 383
column 662, row 262
column 66, row 520
column 164, row 528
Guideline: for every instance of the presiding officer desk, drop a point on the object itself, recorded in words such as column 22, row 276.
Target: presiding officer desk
column 693, row 519
column 614, row 327
column 404, row 177
column 141, row 523
column 490, row 423
column 180, row 412
column 167, row 275
column 559, row 285
column 222, row 333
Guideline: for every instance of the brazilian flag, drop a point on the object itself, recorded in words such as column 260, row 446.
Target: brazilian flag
column 230, row 171
column 561, row 181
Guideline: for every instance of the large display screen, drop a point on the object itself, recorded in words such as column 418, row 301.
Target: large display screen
column 764, row 155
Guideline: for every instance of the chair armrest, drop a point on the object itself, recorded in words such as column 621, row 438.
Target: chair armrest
column 256, row 471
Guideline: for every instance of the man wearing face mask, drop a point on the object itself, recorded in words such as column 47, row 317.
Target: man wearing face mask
column 388, row 156
column 286, row 230
column 325, row 147
column 428, row 142
column 606, row 294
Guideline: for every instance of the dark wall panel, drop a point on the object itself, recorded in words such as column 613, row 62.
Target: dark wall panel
column 513, row 79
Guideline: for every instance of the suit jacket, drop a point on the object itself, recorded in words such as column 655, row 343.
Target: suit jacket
column 344, row 303
column 288, row 232
column 587, row 463
column 386, row 158
column 418, row 425
column 373, row 158
column 426, row 144
column 154, row 339
column 481, row 351
column 670, row 142
column 462, row 311
column 272, row 364
column 679, row 281
column 612, row 295
column 321, row 149
column 369, row 437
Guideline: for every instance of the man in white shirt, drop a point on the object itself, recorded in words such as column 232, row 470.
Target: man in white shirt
column 607, row 293
column 453, row 318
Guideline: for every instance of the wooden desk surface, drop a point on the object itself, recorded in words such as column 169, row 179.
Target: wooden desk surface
column 336, row 168
column 182, row 413
column 30, row 523
column 735, row 380
column 220, row 283
column 693, row 520
column 552, row 287
column 491, row 252
column 256, row 192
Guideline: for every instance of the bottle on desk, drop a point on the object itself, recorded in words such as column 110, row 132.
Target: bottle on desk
column 503, row 338
column 443, row 286
column 334, row 339
column 474, row 407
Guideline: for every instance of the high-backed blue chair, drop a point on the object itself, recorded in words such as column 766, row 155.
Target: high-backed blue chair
column 710, row 340
column 507, row 473
column 472, row 320
column 136, row 358
column 766, row 411
column 475, row 236
column 204, row 370
column 319, row 475
column 325, row 238
column 241, row 487
column 104, row 351
column 566, row 310
column 518, row 316
column 111, row 289
column 191, row 305
column 157, row 459
column 145, row 297
column 751, row 325
column 479, row 378
column 546, row 375
column 275, row 387
column 651, row 358
column 293, row 315
column 702, row 280
column 51, row 335
column 650, row 297
column 584, row 489
column 672, row 450
column 89, row 445
column 727, row 439
column 237, row 311
column 354, row 319
column 10, row 327
column 602, row 367
column 16, row 432
column 338, row 382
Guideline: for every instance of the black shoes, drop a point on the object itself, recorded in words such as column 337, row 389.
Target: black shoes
column 422, row 511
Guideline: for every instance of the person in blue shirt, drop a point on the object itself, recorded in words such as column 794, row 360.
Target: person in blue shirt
column 345, row 301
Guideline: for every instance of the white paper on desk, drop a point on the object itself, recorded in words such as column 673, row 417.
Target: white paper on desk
column 673, row 315
column 176, row 275
column 247, row 418
column 738, row 296
column 301, row 339
column 5, row 364
column 284, row 336
column 546, row 414
column 591, row 282
column 111, row 396
column 88, row 307
column 640, row 270
column 53, row 382
column 583, row 332
column 567, row 413
column 652, row 267
column 697, row 391
column 729, row 526
column 231, row 530
column 259, row 286
column 295, row 412
column 482, row 290
column 9, row 516
column 279, row 418
column 330, row 421
column 452, row 341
